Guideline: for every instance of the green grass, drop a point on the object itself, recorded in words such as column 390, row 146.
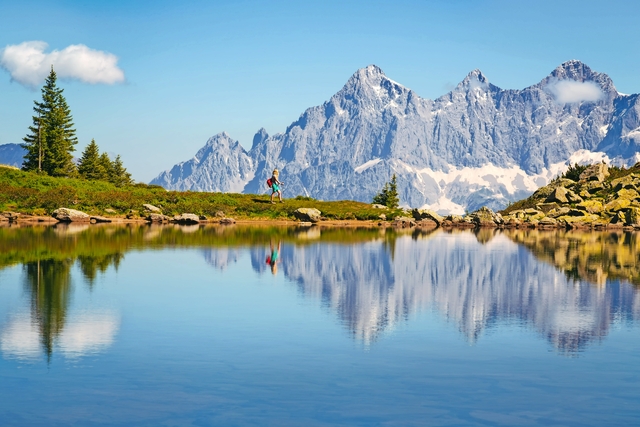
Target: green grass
column 32, row 193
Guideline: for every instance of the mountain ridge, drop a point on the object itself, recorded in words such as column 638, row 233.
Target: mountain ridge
column 373, row 127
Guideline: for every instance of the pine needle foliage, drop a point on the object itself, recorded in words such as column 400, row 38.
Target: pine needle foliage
column 52, row 136
column 389, row 194
column 90, row 165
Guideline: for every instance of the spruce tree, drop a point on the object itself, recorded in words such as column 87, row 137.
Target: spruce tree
column 107, row 167
column 51, row 139
column 120, row 177
column 389, row 194
column 90, row 166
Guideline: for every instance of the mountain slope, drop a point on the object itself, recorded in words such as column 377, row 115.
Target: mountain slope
column 477, row 145
column 12, row 155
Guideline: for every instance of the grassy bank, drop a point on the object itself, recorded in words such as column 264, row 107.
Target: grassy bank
column 31, row 193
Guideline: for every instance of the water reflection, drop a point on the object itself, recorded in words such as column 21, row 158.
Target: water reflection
column 569, row 287
column 476, row 281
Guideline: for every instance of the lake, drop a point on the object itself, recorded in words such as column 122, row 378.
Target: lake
column 290, row 326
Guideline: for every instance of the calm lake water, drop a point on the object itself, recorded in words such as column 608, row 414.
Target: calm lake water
column 265, row 326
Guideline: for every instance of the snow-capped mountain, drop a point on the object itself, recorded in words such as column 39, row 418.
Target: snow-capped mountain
column 477, row 145
column 12, row 155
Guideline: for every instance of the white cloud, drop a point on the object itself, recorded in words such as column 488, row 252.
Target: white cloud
column 28, row 64
column 570, row 91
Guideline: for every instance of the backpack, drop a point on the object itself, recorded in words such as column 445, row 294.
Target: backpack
column 269, row 183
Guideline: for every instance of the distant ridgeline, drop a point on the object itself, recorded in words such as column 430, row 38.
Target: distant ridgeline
column 477, row 145
column 12, row 155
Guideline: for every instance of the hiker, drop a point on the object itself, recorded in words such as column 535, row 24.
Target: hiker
column 275, row 186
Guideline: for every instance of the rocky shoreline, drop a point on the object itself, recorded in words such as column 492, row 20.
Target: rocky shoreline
column 595, row 200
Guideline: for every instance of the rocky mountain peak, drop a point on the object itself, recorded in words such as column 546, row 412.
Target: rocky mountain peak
column 259, row 137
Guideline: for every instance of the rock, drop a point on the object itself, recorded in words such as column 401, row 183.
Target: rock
column 576, row 212
column 377, row 206
column 97, row 219
column 186, row 218
column 593, row 186
column 629, row 182
column 558, row 195
column 546, row 207
column 220, row 214
column 383, row 217
column 227, row 221
column 70, row 215
column 617, row 205
column 485, row 217
column 427, row 223
column 591, row 206
column 633, row 216
column 156, row 217
column 132, row 214
column 419, row 214
column 202, row 217
column 547, row 222
column 150, row 208
column 596, row 172
column 110, row 211
column 558, row 212
column 628, row 194
column 455, row 219
column 403, row 221
column 562, row 195
column 307, row 214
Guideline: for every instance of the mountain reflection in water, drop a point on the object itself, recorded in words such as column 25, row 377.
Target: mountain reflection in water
column 473, row 279
column 571, row 287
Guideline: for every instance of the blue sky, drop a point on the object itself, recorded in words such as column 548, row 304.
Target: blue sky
column 194, row 69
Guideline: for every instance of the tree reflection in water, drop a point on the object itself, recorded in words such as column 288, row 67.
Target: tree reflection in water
column 570, row 287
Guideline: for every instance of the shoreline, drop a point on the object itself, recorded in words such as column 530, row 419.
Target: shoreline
column 15, row 219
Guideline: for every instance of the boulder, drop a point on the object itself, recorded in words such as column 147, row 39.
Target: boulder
column 150, row 208
column 633, row 216
column 186, row 218
column 403, row 221
column 596, row 172
column 455, row 219
column 70, row 215
column 628, row 194
column 156, row 217
column 202, row 217
column 308, row 214
column 591, row 206
column 419, row 214
column 382, row 217
column 485, row 217
column 617, row 205
column 562, row 195
column 558, row 195
column 220, row 214
column 97, row 219
column 427, row 223
column 377, row 206
column 558, row 212
column 132, row 214
column 629, row 182
column 546, row 207
column 110, row 211
column 227, row 221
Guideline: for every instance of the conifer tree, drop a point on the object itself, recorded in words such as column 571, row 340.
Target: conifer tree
column 389, row 194
column 106, row 167
column 90, row 165
column 51, row 138
column 120, row 177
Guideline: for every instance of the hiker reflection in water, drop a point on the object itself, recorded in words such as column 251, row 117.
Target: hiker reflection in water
column 273, row 259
